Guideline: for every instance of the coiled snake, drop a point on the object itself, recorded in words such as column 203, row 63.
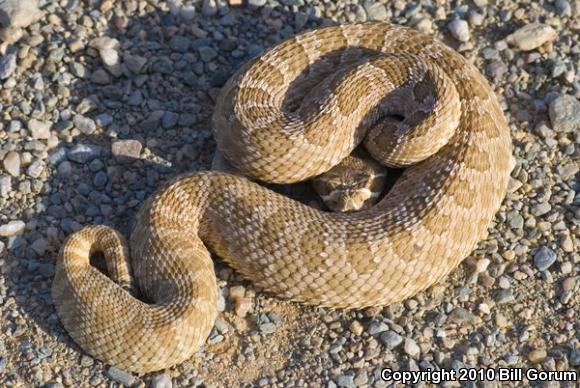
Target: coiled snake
column 291, row 114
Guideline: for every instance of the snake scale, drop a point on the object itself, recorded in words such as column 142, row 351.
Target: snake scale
column 289, row 115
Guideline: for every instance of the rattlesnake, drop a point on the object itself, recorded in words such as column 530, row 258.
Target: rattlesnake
column 289, row 115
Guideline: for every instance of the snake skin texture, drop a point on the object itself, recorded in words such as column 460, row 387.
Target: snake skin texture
column 289, row 115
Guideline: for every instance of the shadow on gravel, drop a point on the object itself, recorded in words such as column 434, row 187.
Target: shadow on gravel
column 160, row 97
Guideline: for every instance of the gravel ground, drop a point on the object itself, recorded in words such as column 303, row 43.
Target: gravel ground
column 101, row 101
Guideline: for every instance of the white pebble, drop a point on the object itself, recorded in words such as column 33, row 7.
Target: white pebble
column 12, row 228
column 459, row 29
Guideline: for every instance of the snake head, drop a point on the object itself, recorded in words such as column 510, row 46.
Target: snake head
column 356, row 183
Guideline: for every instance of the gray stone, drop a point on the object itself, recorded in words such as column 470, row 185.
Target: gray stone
column 169, row 120
column 104, row 120
column 187, row 12
column 35, row 169
column 161, row 381
column 209, row 8
column 565, row 114
column 391, row 339
column 459, row 29
column 504, row 296
column 12, row 163
column 7, row 65
column 179, row 43
column 257, row 3
column 207, row 53
column 83, row 153
column 134, row 63
column 135, row 98
column 101, row 77
column 122, row 377
column 540, row 209
column 375, row 11
column 345, row 380
column 78, row 70
column 544, row 258
column 563, row 8
column 411, row 348
column 575, row 357
column 14, row 126
column 515, row 220
column 5, row 185
column 84, row 124
column 18, row 13
column 377, row 327
column 496, row 69
column 39, row 246
column 39, row 129
column 12, row 228
column 126, row 150
column 461, row 315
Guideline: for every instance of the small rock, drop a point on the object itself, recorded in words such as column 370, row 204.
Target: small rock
column 207, row 53
column 411, row 348
column 12, row 228
column 377, row 327
column 541, row 209
column 187, row 12
column 122, row 377
column 209, row 8
column 18, row 13
column 35, row 169
column 39, row 129
column 504, row 296
column 531, row 36
column 101, row 77
column 575, row 357
column 126, row 150
column 356, row 328
column 169, row 120
column 243, row 306
column 110, row 57
column 104, row 120
column 544, row 258
column 7, row 65
column 563, row 8
column 39, row 246
column 179, row 43
column 461, row 315
column 84, row 124
column 237, row 292
column 569, row 283
column 83, row 153
column 5, row 185
column 134, row 63
column 161, row 381
column 257, row 3
column 345, row 380
column 87, row 361
column 376, row 11
column 515, row 220
column 501, row 321
column 565, row 114
column 481, row 265
column 391, row 339
column 536, row 356
column 459, row 29
column 12, row 163
column 104, row 43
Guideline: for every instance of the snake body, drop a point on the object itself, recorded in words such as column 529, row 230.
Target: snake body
column 289, row 115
